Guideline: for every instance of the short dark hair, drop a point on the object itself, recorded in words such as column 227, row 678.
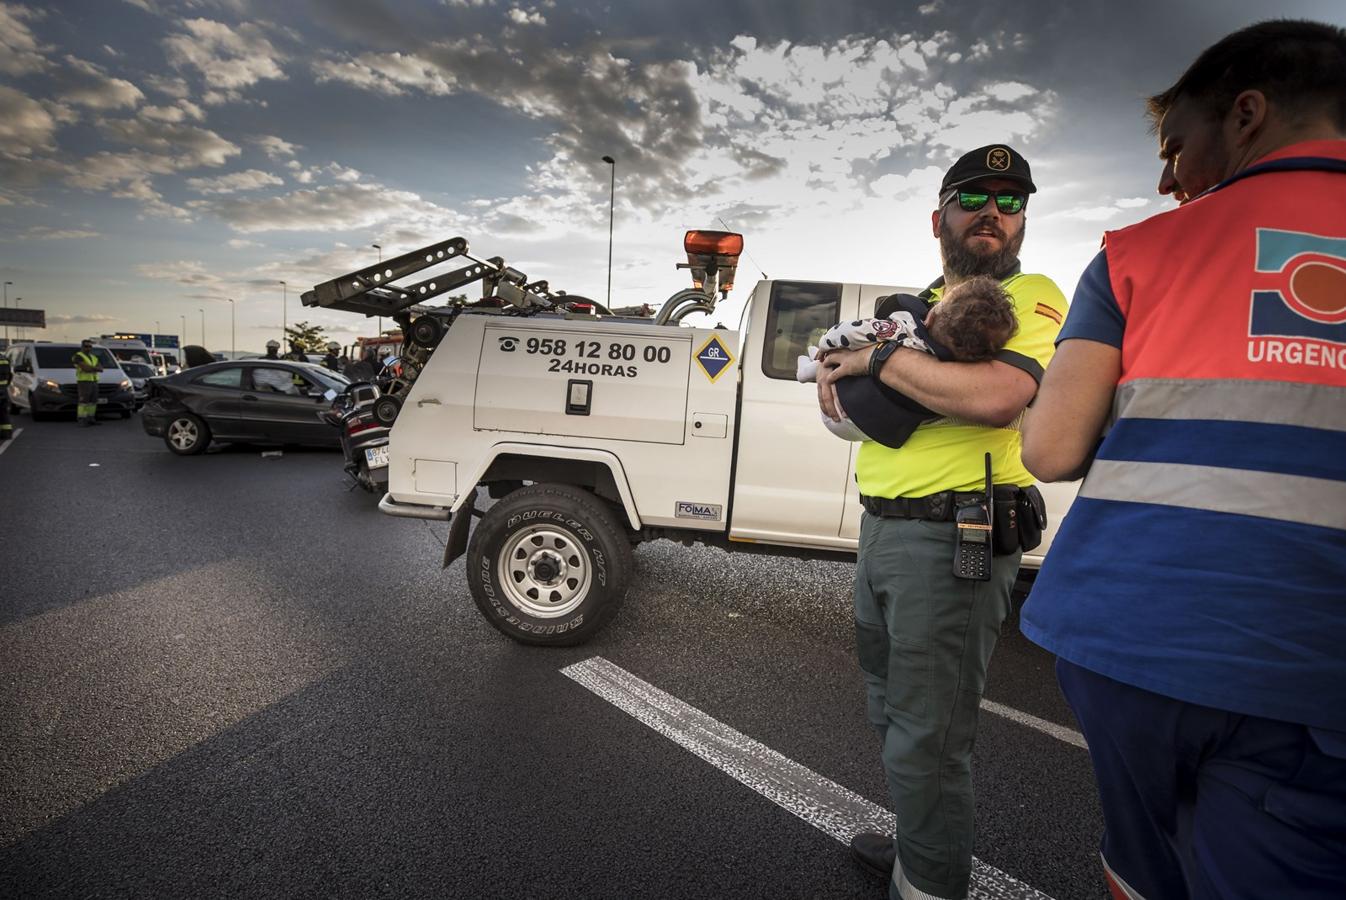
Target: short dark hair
column 1299, row 65
column 975, row 319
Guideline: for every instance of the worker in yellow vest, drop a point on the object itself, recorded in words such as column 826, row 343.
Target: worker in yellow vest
column 87, row 368
column 6, row 376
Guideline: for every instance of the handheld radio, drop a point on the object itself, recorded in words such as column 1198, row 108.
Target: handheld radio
column 972, row 541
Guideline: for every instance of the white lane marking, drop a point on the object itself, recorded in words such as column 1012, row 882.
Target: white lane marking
column 1060, row 732
column 824, row 804
column 12, row 438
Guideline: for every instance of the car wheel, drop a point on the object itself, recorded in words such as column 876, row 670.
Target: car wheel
column 38, row 416
column 549, row 565
column 386, row 410
column 426, row 331
column 187, row 435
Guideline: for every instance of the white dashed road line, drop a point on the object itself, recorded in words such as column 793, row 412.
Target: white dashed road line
column 5, row 445
column 1060, row 732
column 824, row 804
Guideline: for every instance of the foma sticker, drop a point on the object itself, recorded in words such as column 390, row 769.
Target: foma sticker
column 686, row 509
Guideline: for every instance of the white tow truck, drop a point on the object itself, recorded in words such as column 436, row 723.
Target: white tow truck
column 596, row 432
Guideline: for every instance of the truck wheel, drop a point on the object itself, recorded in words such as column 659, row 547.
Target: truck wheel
column 549, row 565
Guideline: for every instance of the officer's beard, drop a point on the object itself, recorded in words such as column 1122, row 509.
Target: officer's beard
column 962, row 261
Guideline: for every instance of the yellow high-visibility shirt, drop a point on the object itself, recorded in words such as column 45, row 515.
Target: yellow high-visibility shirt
column 948, row 454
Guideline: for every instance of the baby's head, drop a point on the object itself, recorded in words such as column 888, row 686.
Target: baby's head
column 974, row 319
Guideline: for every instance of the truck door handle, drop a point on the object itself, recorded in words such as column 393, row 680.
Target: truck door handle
column 428, row 401
column 249, row 397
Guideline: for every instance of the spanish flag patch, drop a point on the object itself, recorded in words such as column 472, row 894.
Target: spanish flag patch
column 1045, row 310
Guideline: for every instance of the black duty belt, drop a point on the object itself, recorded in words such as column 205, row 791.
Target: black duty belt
column 934, row 508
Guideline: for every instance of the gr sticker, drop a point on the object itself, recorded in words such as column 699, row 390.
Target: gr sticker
column 714, row 358
column 686, row 509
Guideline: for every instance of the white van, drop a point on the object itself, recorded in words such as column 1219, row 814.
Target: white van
column 44, row 381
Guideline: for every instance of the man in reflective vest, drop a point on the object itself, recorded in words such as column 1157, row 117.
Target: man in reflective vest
column 87, row 368
column 1196, row 593
column 925, row 636
column 6, row 377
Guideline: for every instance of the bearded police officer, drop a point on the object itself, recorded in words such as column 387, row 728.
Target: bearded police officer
column 86, row 367
column 924, row 635
column 1201, row 379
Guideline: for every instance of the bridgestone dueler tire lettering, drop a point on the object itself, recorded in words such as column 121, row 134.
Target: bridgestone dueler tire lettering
column 591, row 524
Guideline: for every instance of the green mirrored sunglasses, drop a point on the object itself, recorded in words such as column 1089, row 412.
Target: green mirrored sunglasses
column 1008, row 202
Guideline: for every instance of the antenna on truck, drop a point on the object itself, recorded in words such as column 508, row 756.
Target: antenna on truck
column 765, row 276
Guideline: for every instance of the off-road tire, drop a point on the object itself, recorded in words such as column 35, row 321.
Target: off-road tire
column 549, row 565
column 178, row 436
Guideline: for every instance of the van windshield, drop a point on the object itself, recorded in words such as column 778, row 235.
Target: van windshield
column 131, row 354
column 59, row 357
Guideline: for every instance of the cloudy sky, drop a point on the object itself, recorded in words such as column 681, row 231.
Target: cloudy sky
column 157, row 156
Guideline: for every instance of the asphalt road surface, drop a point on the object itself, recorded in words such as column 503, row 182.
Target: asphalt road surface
column 228, row 676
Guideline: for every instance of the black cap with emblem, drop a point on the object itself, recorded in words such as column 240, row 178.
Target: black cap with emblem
column 991, row 161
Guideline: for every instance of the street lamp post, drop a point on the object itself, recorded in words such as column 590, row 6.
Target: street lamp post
column 284, row 302
column 184, row 339
column 379, row 247
column 154, row 338
column 233, row 332
column 203, row 327
column 16, row 306
column 612, row 209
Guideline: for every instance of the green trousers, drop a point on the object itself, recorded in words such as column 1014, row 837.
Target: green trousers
column 924, row 639
column 87, row 408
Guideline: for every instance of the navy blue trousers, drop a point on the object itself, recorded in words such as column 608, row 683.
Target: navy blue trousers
column 1206, row 804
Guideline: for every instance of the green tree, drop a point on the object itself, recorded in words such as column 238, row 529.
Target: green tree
column 310, row 337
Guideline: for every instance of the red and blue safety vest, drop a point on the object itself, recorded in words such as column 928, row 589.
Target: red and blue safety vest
column 1205, row 558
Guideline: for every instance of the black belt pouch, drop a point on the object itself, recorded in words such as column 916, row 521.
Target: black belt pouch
column 1005, row 516
column 1032, row 516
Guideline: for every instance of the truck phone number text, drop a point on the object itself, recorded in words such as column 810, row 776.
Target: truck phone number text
column 611, row 358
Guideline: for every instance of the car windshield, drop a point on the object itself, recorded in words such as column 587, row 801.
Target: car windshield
column 327, row 378
column 59, row 357
column 138, row 370
column 131, row 354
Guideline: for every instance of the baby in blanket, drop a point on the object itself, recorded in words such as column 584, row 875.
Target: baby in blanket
column 971, row 323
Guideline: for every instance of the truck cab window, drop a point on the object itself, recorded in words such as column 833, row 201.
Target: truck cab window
column 801, row 311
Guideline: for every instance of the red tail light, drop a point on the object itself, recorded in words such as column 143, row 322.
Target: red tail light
column 357, row 427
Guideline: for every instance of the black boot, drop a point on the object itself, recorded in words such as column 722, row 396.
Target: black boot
column 875, row 852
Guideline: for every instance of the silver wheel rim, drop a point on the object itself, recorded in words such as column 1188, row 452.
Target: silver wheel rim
column 544, row 571
column 183, row 434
